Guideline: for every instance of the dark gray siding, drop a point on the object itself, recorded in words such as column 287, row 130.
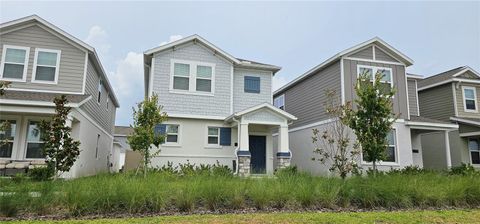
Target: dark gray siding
column 380, row 55
column 366, row 53
column 99, row 112
column 72, row 60
column 306, row 99
column 399, row 82
column 437, row 102
column 412, row 96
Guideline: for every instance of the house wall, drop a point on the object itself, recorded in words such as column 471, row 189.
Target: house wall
column 461, row 102
column 412, row 97
column 399, row 81
column 72, row 60
column 306, row 99
column 190, row 104
column 437, row 102
column 243, row 100
column 98, row 111
column 366, row 53
column 417, row 145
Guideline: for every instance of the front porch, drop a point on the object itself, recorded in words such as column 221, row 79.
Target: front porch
column 255, row 152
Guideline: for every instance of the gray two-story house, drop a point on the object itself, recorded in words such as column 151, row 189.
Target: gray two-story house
column 43, row 62
column 305, row 97
column 452, row 96
column 219, row 107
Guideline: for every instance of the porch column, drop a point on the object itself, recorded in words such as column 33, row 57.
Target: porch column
column 283, row 154
column 69, row 121
column 447, row 150
column 243, row 152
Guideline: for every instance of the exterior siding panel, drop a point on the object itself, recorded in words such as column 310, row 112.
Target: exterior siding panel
column 437, row 102
column 412, row 97
column 366, row 53
column 243, row 100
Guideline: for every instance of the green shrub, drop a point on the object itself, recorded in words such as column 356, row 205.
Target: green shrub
column 286, row 171
column 464, row 169
column 408, row 170
column 41, row 173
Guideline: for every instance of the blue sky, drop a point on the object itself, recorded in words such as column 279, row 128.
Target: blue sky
column 294, row 35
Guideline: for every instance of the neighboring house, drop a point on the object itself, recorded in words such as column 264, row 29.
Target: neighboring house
column 42, row 62
column 305, row 97
column 220, row 107
column 452, row 96
column 120, row 147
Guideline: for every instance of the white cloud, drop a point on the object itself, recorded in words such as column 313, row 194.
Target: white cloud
column 98, row 38
column 172, row 38
column 278, row 81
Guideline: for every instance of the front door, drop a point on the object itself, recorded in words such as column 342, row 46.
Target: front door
column 258, row 146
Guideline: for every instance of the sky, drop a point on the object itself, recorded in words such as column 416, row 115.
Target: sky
column 297, row 36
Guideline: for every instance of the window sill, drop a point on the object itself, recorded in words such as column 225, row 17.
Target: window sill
column 470, row 111
column 380, row 164
column 12, row 80
column 45, row 82
column 191, row 93
column 213, row 147
column 171, row 145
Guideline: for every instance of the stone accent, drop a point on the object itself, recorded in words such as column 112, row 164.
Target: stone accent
column 283, row 159
column 244, row 165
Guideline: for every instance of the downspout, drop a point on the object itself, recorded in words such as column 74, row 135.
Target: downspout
column 238, row 144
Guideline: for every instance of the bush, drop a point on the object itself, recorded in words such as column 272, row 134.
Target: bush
column 41, row 173
column 464, row 169
column 286, row 171
column 408, row 170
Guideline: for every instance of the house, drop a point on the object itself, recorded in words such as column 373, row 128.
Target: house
column 43, row 62
column 452, row 96
column 219, row 107
column 305, row 96
column 120, row 147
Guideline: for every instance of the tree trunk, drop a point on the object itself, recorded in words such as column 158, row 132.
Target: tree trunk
column 374, row 168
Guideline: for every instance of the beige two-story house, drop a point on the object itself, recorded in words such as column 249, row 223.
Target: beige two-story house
column 452, row 96
column 43, row 62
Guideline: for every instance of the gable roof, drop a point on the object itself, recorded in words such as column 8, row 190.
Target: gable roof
column 91, row 51
column 376, row 40
column 446, row 77
column 268, row 106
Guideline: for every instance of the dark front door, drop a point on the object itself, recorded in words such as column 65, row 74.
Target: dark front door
column 258, row 146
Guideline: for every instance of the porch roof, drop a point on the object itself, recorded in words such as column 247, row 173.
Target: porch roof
column 268, row 106
column 424, row 123
column 40, row 99
column 469, row 121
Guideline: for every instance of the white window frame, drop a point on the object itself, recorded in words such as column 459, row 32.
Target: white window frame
column 192, row 83
column 465, row 100
column 386, row 163
column 57, row 66
column 17, row 134
column 375, row 69
column 470, row 151
column 174, row 144
column 282, row 97
column 25, row 64
column 217, row 145
column 27, row 123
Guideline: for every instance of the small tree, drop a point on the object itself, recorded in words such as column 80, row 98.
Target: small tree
column 147, row 115
column 60, row 150
column 333, row 144
column 5, row 126
column 373, row 118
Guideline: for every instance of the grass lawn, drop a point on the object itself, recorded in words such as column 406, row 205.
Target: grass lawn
column 450, row 216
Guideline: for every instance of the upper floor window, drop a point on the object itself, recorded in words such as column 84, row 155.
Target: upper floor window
column 279, row 102
column 14, row 63
column 469, row 99
column 251, row 84
column 46, row 65
column 386, row 80
column 474, row 148
column 192, row 77
column 100, row 87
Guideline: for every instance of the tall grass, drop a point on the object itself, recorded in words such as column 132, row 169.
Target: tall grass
column 124, row 193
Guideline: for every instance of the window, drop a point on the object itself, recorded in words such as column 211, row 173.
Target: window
column 204, row 78
column 96, row 148
column 14, row 63
column 213, row 136
column 251, row 84
column 391, row 148
column 108, row 97
column 469, row 99
column 474, row 148
column 279, row 102
column 7, row 137
column 172, row 133
column 45, row 66
column 192, row 77
column 181, row 76
column 385, row 73
column 100, row 87
column 34, row 141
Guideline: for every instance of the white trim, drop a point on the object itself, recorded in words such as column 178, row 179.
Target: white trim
column 455, row 105
column 466, row 70
column 447, row 150
column 413, row 76
column 467, row 80
column 342, row 81
column 416, row 92
column 450, row 80
column 375, row 70
column 191, row 116
column 45, row 91
column 406, row 91
column 474, row 99
column 36, row 103
column 35, row 64
column 466, row 121
column 172, row 144
column 373, row 61
column 208, row 145
column 430, row 124
column 469, row 134
column 264, row 105
column 25, row 63
column 151, row 77
column 85, row 67
column 192, row 78
column 231, row 89
column 373, row 52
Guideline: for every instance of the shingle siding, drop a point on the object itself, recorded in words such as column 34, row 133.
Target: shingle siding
column 412, row 97
column 189, row 104
column 72, row 61
column 243, row 100
column 306, row 99
column 437, row 102
column 104, row 117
